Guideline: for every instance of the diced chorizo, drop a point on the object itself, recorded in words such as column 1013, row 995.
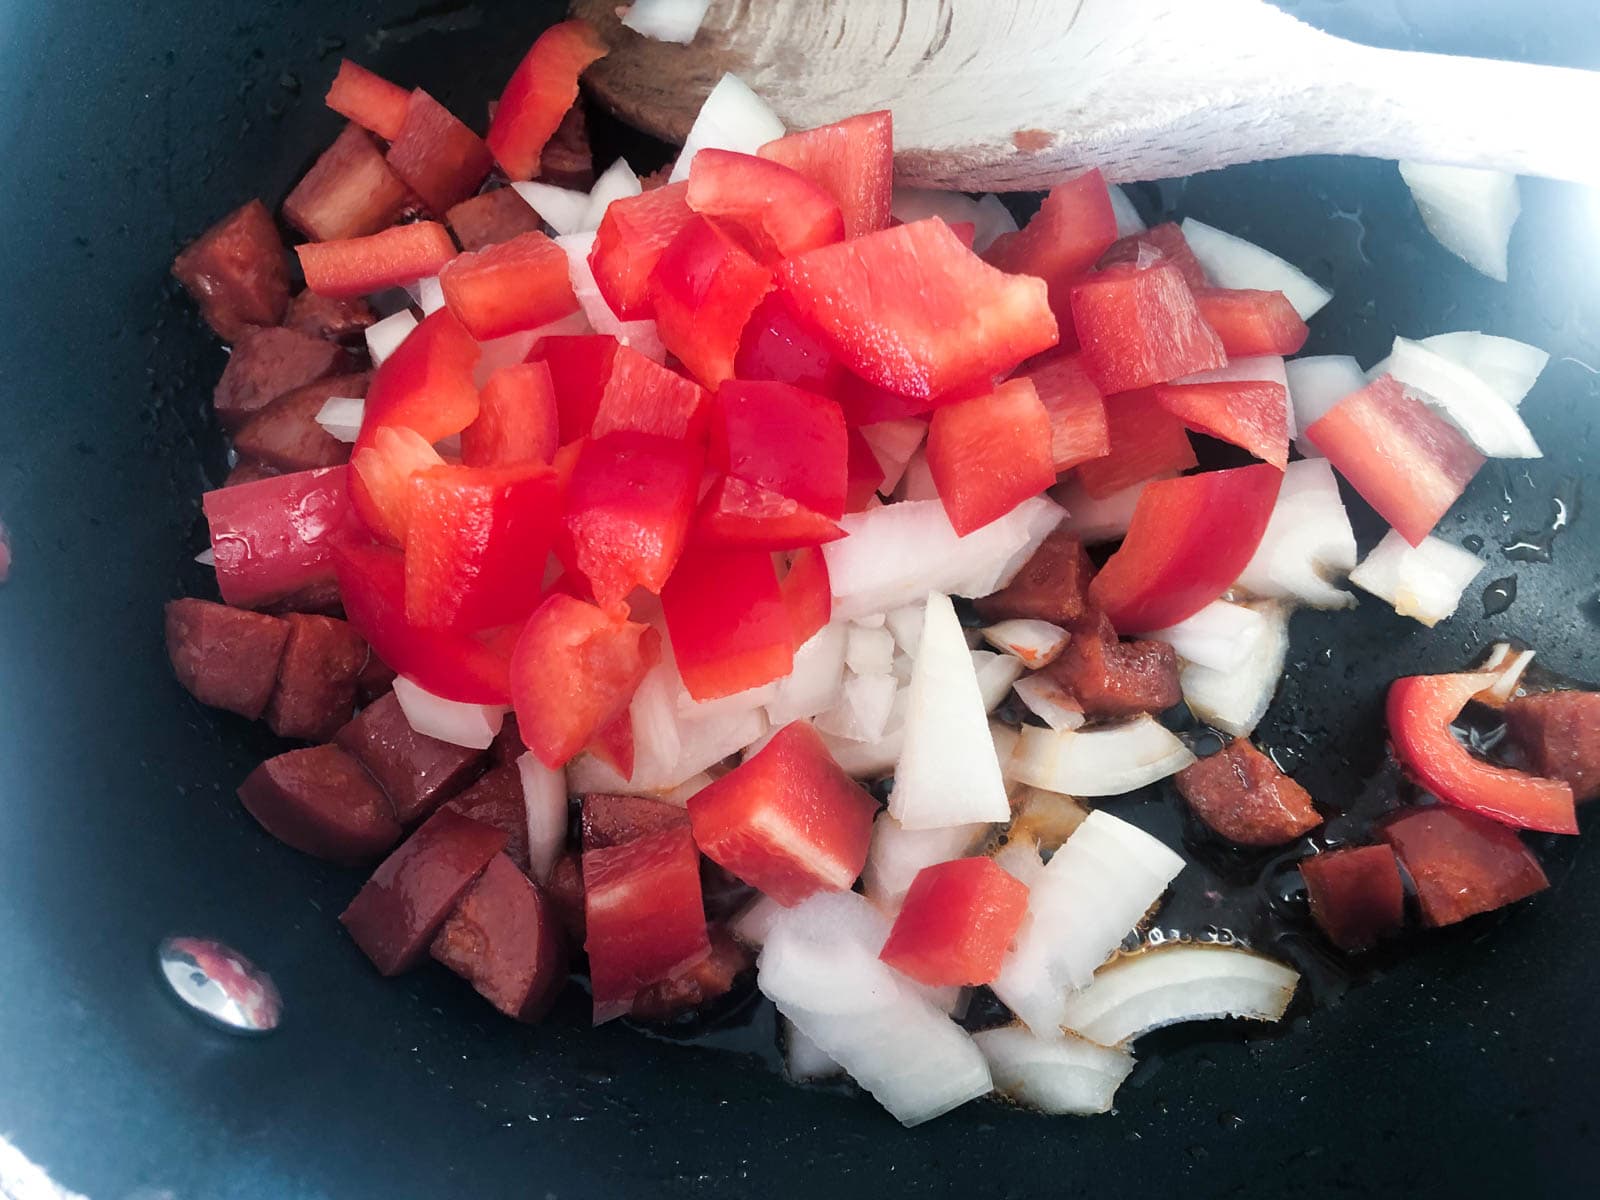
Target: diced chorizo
column 565, row 890
column 1109, row 678
column 316, row 690
column 225, row 657
column 1356, row 895
column 704, row 981
column 418, row 773
column 328, row 317
column 285, row 435
column 323, row 803
column 376, row 678
column 1461, row 864
column 612, row 820
column 349, row 192
column 507, row 746
column 237, row 271
column 496, row 799
column 248, row 471
column 492, row 218
column 504, row 939
column 1240, row 794
column 567, row 160
column 1560, row 734
column 266, row 364
column 1051, row 586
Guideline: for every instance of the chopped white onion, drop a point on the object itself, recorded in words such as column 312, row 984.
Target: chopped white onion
column 804, row 1060
column 732, row 118
column 1036, row 643
column 637, row 335
column 1070, row 1076
column 1129, row 222
column 1174, row 982
column 1423, row 582
column 563, row 209
column 752, row 923
column 1258, row 368
column 916, row 481
column 1469, row 210
column 898, row 853
column 906, row 625
column 871, row 621
column 869, row 651
column 1047, row 819
column 544, row 800
column 207, row 557
column 616, row 182
column 893, row 443
column 679, row 795
column 1098, row 762
column 1019, row 858
column 472, row 725
column 1232, row 262
column 1316, row 384
column 341, row 416
column 1220, row 636
column 1050, row 702
column 384, row 337
column 1308, row 541
column 996, row 673
column 666, row 20
column 1005, row 738
column 947, row 773
column 1235, row 701
column 1466, row 401
column 757, row 697
column 910, row 204
column 994, row 220
column 864, row 708
column 1508, row 366
column 1509, row 666
column 869, row 760
column 1095, row 522
column 817, row 681
column 428, row 294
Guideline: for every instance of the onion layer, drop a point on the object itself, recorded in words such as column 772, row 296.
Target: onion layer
column 732, row 118
column 1308, row 541
column 1070, row 1076
column 544, row 799
column 460, row 724
column 1098, row 762
column 1235, row 701
column 1232, row 262
column 1470, row 211
column 1424, row 582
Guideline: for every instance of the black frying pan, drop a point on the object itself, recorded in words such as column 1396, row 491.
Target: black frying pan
column 1465, row 1068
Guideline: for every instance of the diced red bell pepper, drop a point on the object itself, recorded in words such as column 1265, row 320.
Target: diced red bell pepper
column 784, row 439
column 517, row 421
column 1109, row 678
column 956, row 923
column 1406, row 460
column 773, row 210
column 777, row 345
column 989, row 454
column 350, row 191
column 1355, row 894
column 703, row 291
column 1420, row 709
column 369, row 100
column 1187, row 542
column 866, row 403
column 372, row 584
column 1147, row 442
column 788, row 821
column 887, row 304
column 274, row 537
column 699, row 984
column 380, row 481
column 1559, row 732
column 1252, row 413
column 726, row 621
column 236, row 272
column 490, row 218
column 1250, row 322
column 1140, row 326
column 852, row 160
column 633, row 235
column 1078, row 429
column 613, row 744
column 515, row 285
column 580, row 365
column 629, row 504
column 807, row 595
column 1462, row 864
column 440, row 159
column 1072, row 229
column 740, row 515
column 643, row 916
column 642, row 396
column 356, row 266
column 1242, row 795
column 541, row 90
column 504, row 939
column 1052, row 585
column 866, row 474
column 426, row 384
column 1159, row 242
column 476, row 544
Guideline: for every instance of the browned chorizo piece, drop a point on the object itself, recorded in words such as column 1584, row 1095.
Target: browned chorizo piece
column 225, row 657
column 496, row 799
column 565, row 891
column 397, row 913
column 326, row 317
column 350, row 191
column 237, row 271
column 285, row 435
column 507, row 746
column 320, row 801
column 611, row 820
column 1356, row 896
column 1051, row 586
column 1241, row 795
column 418, row 773
column 248, row 471
column 712, row 976
column 491, row 218
column 267, row 363
column 1109, row 678
column 376, row 678
column 567, row 161
column 1560, row 734
column 504, row 939
column 316, row 690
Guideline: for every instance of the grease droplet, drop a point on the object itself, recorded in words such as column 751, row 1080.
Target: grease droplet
column 1499, row 596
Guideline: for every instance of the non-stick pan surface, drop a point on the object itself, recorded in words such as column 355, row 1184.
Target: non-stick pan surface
column 1466, row 1068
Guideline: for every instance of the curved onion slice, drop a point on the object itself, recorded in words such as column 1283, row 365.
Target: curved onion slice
column 1263, row 368
column 1036, row 643
column 384, row 337
column 994, row 220
column 804, row 1061
column 1129, row 222
column 1232, row 262
column 667, row 20
column 1470, row 211
column 1509, row 664
column 996, row 673
column 1463, row 399
column 341, row 416
column 1508, row 366
column 732, row 118
column 1424, row 582
column 1171, row 983
column 1050, row 702
column 1316, row 384
column 1098, row 762
column 898, row 853
column 752, row 923
column 544, row 800
column 563, row 209
column 817, row 681
column 460, row 724
column 616, row 182
column 1235, row 701
column 1071, row 1076
column 1046, row 819
column 1220, row 636
column 1308, row 542
column 1095, row 522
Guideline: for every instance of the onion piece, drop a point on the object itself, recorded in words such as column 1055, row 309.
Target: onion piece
column 996, row 673
column 898, row 853
column 1220, row 636
column 869, row 651
column 565, row 210
column 1316, row 384
column 994, row 220
column 1095, row 522
column 341, row 416
column 691, row 709
column 1509, row 665
column 638, row 335
column 1019, row 858
column 732, row 118
column 893, row 444
column 1307, row 543
column 1005, row 738
column 947, row 773
column 616, row 182
column 905, row 624
column 384, row 337
column 1467, row 402
column 1072, row 1076
column 1129, row 222
column 869, row 760
column 804, row 1061
column 1422, row 582
column 1098, row 762
column 1263, row 368
column 752, row 923
column 910, row 204
column 206, row 557
column 817, row 681
column 472, row 725
column 1508, row 366
column 666, row 20
column 1036, row 643
column 679, row 796
column 1168, row 984
column 1044, row 818
column 1232, row 262
column 1235, row 701
column 916, row 480
column 1050, row 702
column 1469, row 211
column 544, row 799
column 863, row 711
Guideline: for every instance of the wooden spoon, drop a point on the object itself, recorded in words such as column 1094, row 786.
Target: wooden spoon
column 1013, row 95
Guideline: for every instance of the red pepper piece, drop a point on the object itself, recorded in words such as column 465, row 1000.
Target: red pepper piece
column 1078, row 427
column 786, row 440
column 440, row 159
column 773, row 210
column 509, row 287
column 956, row 924
column 349, row 192
column 807, row 597
column 726, row 620
column 275, row 537
column 1140, row 326
column 1251, row 323
column 703, row 290
column 641, row 395
column 852, row 160
column 356, row 266
column 541, row 90
column 1253, row 414
column 369, row 100
column 989, row 454
column 740, row 515
column 1072, row 229
column 633, row 235
column 1147, row 442
column 1159, row 242
column 517, row 421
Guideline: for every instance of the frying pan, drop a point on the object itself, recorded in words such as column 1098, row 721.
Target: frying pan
column 1464, row 1067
